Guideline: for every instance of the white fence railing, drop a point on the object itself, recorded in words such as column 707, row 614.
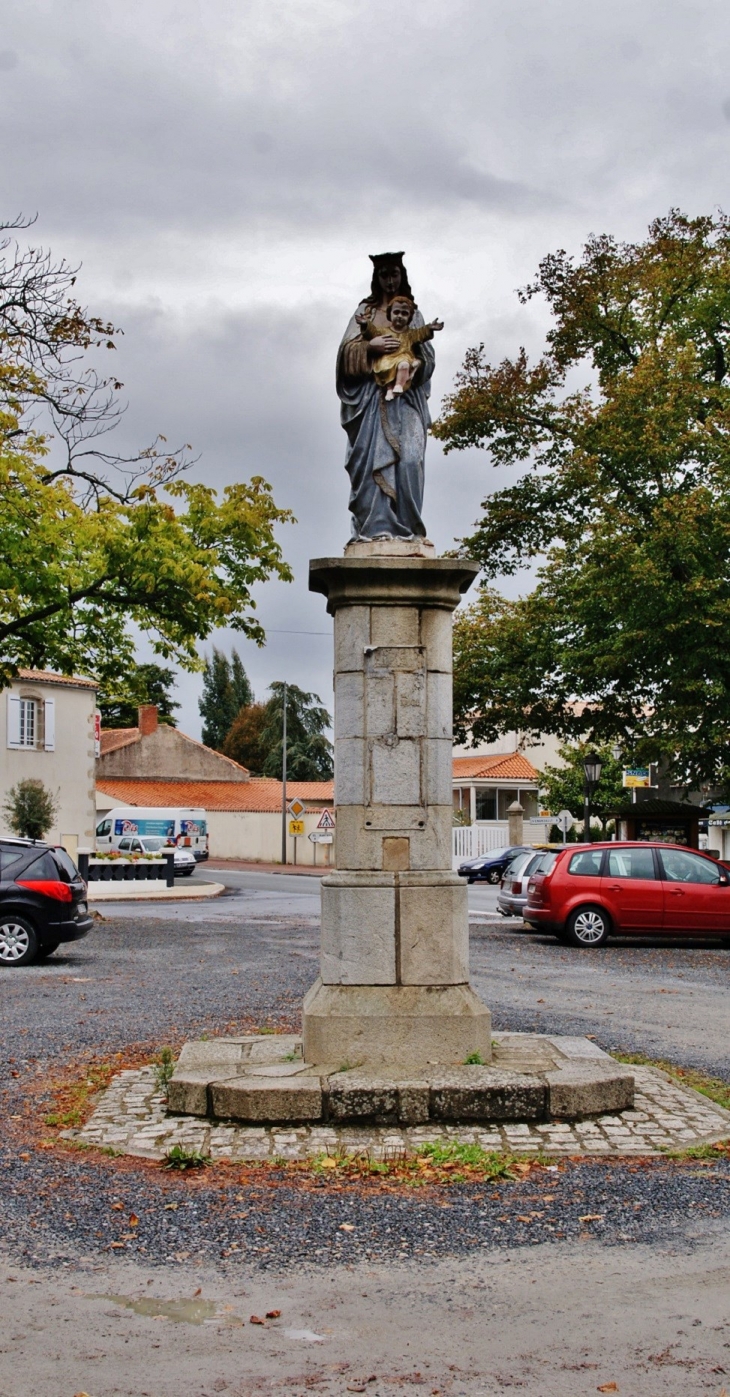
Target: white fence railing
column 473, row 841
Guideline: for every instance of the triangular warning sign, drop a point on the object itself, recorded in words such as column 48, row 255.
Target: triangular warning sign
column 326, row 820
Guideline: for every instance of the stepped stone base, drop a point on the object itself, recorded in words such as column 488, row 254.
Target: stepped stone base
column 413, row 1025
column 259, row 1080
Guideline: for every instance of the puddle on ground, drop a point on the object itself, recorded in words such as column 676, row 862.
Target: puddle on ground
column 179, row 1311
column 308, row 1335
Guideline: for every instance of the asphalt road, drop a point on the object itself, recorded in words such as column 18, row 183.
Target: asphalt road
column 666, row 997
column 589, row 1274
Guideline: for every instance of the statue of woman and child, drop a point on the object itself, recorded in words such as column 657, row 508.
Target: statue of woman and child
column 384, row 368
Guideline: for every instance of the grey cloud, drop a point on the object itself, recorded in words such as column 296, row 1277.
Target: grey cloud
column 190, row 154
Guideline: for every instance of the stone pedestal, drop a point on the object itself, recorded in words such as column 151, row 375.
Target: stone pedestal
column 394, row 982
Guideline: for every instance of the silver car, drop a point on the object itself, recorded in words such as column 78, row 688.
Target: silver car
column 185, row 863
column 512, row 898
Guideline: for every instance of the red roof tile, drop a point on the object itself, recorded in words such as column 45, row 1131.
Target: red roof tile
column 114, row 738
column 258, row 794
column 505, row 766
column 46, row 676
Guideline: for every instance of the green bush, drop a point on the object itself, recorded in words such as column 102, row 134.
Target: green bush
column 30, row 809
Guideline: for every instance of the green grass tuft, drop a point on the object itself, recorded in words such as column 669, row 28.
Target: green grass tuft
column 163, row 1067
column 180, row 1158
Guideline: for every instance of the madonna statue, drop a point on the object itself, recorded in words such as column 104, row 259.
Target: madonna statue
column 386, row 435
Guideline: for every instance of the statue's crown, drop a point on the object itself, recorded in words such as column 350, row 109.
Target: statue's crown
column 386, row 259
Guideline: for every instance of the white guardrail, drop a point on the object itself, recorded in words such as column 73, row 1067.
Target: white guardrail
column 473, row 841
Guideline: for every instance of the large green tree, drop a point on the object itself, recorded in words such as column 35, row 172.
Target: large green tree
column 226, row 690
column 309, row 751
column 145, row 683
column 92, row 543
column 246, row 741
column 620, row 433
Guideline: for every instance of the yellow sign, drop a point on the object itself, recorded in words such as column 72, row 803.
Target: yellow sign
column 296, row 808
column 296, row 827
column 637, row 777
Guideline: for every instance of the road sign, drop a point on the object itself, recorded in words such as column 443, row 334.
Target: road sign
column 565, row 821
column 296, row 828
column 326, row 820
column 320, row 836
column 637, row 776
column 296, row 808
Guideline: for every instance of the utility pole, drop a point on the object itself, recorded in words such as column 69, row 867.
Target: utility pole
column 283, row 782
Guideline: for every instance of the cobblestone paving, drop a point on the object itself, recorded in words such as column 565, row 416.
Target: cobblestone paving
column 131, row 1118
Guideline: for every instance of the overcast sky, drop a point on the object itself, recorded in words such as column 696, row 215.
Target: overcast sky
column 222, row 170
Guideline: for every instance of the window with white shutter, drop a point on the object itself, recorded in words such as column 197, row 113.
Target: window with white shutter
column 22, row 721
column 13, row 721
column 49, row 725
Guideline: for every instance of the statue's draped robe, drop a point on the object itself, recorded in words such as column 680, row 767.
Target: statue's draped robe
column 386, row 441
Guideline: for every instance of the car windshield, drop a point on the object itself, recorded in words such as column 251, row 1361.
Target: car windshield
column 66, row 864
column 153, row 845
column 545, row 862
column 517, row 864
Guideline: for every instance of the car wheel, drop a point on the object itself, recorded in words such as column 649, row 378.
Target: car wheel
column 470, row 881
column 47, row 949
column 494, row 875
column 587, row 926
column 18, row 941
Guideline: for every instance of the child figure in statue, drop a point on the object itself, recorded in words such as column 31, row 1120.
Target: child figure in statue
column 394, row 372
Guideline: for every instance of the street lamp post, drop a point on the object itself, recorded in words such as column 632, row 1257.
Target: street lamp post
column 591, row 776
column 283, row 781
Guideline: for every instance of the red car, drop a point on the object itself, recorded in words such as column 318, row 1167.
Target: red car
column 594, row 889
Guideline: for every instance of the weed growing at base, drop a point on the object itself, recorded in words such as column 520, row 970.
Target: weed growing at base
column 163, row 1067
column 449, row 1162
column 180, row 1158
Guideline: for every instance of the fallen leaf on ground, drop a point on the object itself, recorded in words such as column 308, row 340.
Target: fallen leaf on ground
column 24, row 1156
column 608, row 1387
column 169, row 1207
column 347, row 1227
column 273, row 1314
column 595, row 1217
column 199, row 1291
column 117, row 1207
column 256, row 1319
column 133, row 1220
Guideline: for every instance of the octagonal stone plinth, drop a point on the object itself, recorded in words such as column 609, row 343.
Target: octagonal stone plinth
column 532, row 1078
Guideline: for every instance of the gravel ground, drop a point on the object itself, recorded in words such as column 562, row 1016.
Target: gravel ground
column 119, row 1279
column 152, row 980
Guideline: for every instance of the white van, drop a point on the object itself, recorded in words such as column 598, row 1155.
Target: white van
column 187, row 828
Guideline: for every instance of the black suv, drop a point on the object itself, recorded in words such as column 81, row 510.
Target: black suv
column 42, row 901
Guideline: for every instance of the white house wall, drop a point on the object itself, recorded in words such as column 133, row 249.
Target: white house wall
column 68, row 771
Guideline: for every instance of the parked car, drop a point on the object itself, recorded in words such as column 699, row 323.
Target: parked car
column 185, row 860
column 490, row 867
column 512, row 898
column 42, row 901
column 595, row 889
